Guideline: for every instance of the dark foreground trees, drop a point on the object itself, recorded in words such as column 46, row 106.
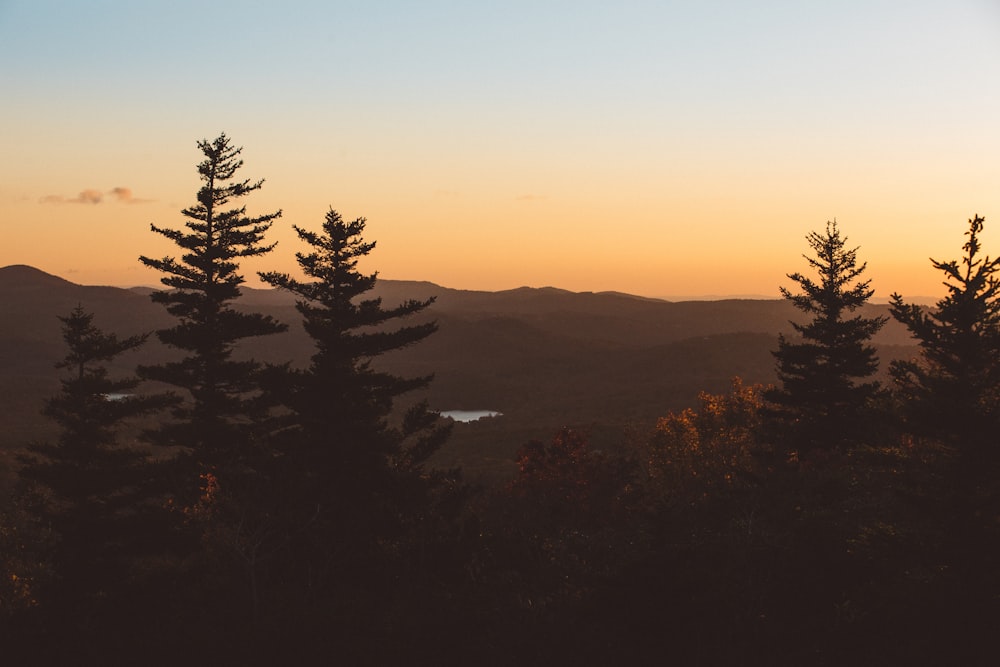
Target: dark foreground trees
column 355, row 495
column 951, row 399
column 220, row 418
column 342, row 400
column 953, row 390
column 218, row 435
column 97, row 495
column 825, row 374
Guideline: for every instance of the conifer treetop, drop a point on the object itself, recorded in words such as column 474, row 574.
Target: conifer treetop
column 825, row 374
column 216, row 235
column 953, row 389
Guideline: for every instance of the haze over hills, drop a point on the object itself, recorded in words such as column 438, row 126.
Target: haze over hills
column 544, row 357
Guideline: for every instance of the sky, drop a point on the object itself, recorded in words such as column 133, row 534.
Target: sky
column 669, row 148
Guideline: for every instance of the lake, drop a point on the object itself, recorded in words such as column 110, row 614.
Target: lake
column 469, row 415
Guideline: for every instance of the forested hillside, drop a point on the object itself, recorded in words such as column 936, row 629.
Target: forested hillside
column 546, row 358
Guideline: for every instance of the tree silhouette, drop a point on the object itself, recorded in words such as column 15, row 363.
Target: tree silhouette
column 225, row 405
column 951, row 394
column 953, row 390
column 822, row 389
column 98, row 495
column 356, row 475
column 341, row 401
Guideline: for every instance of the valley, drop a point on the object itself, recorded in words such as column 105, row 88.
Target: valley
column 606, row 363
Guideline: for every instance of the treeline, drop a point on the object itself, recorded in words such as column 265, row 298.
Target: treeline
column 270, row 514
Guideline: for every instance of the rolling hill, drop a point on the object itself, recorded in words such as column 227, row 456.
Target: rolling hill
column 544, row 357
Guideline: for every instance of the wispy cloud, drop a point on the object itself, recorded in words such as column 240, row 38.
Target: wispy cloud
column 530, row 198
column 92, row 196
column 125, row 195
column 88, row 197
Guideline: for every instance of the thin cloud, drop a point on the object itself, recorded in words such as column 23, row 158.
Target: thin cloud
column 125, row 196
column 122, row 194
column 93, row 196
column 530, row 198
column 88, row 197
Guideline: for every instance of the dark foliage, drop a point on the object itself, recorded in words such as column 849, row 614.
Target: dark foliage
column 953, row 390
column 221, row 466
column 950, row 397
column 823, row 374
column 99, row 497
column 341, row 401
column 356, row 487
column 221, row 419
column 737, row 555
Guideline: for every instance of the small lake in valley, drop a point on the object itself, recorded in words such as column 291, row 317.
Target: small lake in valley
column 469, row 415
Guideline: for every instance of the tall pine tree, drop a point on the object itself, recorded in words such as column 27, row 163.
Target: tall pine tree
column 218, row 421
column 358, row 472
column 99, row 496
column 342, row 401
column 825, row 374
column 953, row 390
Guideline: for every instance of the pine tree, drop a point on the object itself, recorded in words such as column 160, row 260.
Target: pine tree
column 953, row 390
column 358, row 471
column 823, row 375
column 98, row 495
column 342, row 402
column 225, row 404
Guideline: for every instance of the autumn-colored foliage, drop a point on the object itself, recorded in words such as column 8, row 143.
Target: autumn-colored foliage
column 702, row 452
column 568, row 474
column 19, row 565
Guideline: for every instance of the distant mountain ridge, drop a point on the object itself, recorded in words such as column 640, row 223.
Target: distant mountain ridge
column 22, row 275
column 613, row 316
column 545, row 357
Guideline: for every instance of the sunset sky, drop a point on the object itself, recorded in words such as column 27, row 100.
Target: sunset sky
column 659, row 148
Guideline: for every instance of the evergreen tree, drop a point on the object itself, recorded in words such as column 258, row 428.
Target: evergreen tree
column 953, row 390
column 823, row 374
column 342, row 402
column 358, row 474
column 97, row 495
column 217, row 424
column 951, row 395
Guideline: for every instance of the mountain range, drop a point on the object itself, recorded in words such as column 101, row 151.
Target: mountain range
column 544, row 357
